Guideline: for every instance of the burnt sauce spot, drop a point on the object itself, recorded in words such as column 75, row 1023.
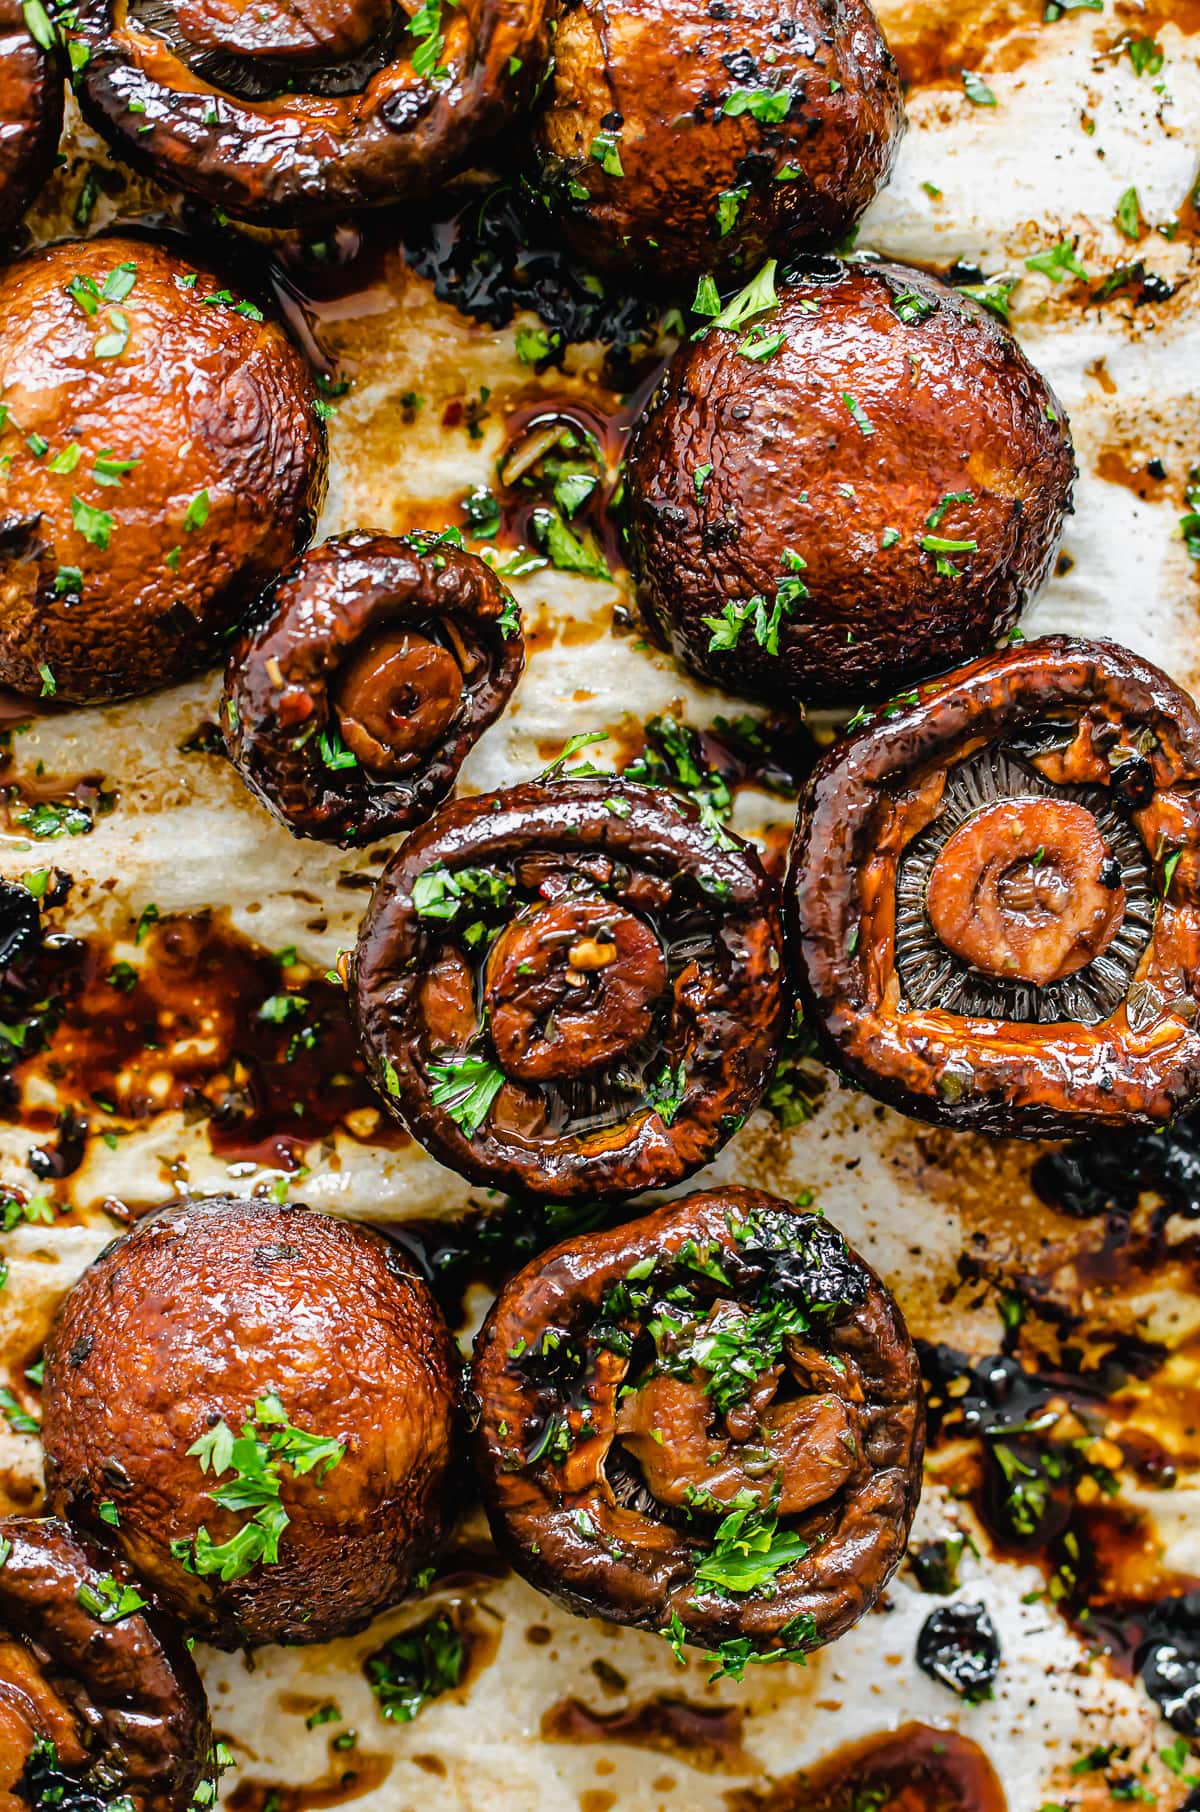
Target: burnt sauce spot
column 913, row 1769
column 958, row 1647
column 708, row 1737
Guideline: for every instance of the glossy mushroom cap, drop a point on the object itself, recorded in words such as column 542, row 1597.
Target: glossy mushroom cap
column 994, row 895
column 374, row 667
column 167, row 459
column 571, row 988
column 31, row 112
column 306, row 1342
column 643, row 1391
column 296, row 114
column 99, row 1698
column 861, row 482
column 683, row 139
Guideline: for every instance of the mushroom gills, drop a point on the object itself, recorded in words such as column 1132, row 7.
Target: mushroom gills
column 254, row 77
column 934, row 975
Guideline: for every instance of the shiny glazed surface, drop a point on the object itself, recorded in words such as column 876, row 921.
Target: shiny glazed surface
column 192, row 1318
column 652, row 112
column 862, row 439
column 294, row 117
column 606, row 872
column 120, row 1701
column 618, row 1526
column 1096, row 718
column 31, row 109
column 190, row 465
column 342, row 653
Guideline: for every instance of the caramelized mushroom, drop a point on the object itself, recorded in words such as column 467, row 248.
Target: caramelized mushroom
column 100, row 1702
column 166, row 459
column 374, row 668
column 679, row 139
column 267, row 1399
column 572, row 988
column 31, row 107
column 707, row 1422
column 995, row 895
column 858, row 479
column 296, row 113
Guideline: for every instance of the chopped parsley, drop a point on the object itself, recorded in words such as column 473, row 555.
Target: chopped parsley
column 862, row 420
column 426, row 27
column 415, row 1666
column 109, row 1602
column 767, row 105
column 666, row 1092
column 465, row 1085
column 748, row 1550
column 254, row 1459
column 1058, row 262
column 441, row 893
column 729, row 206
column 977, row 90
column 95, row 526
column 605, row 149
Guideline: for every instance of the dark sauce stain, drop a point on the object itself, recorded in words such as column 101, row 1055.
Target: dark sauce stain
column 486, row 1248
column 487, row 250
column 348, row 1780
column 708, row 1737
column 913, row 1769
column 202, row 1021
column 933, row 45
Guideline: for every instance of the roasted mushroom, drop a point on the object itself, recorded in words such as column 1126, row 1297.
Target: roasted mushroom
column 685, row 139
column 266, row 1398
column 100, row 1703
column 31, row 106
column 571, row 989
column 296, row 113
column 995, row 895
column 847, row 481
column 707, row 1422
column 374, row 667
column 166, row 459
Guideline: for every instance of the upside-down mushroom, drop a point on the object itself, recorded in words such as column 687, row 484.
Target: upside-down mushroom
column 31, row 106
column 707, row 1422
column 267, row 1398
column 572, row 988
column 100, row 1702
column 374, row 666
column 994, row 895
column 297, row 113
column 849, row 479
column 681, row 139
column 164, row 459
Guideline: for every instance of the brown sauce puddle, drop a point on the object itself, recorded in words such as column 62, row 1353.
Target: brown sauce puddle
column 348, row 1781
column 709, row 1737
column 913, row 1769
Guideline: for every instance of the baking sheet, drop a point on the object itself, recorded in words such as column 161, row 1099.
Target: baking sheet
column 1074, row 127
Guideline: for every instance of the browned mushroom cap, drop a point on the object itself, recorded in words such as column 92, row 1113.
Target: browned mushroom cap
column 683, row 139
column 994, row 895
column 571, row 989
column 166, row 460
column 100, row 1702
column 294, row 113
column 31, row 106
column 268, row 1398
column 860, row 481
column 375, row 667
column 707, row 1422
